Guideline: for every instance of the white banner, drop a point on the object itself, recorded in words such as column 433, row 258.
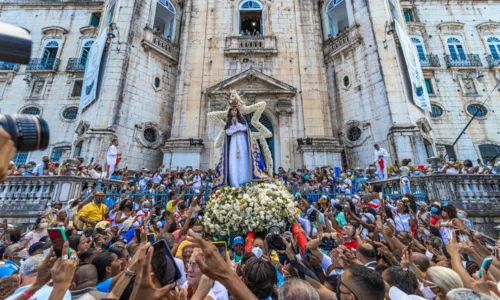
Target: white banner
column 91, row 76
column 420, row 95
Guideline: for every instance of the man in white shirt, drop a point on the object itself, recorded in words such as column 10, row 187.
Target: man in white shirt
column 38, row 171
column 381, row 161
column 196, row 179
column 111, row 157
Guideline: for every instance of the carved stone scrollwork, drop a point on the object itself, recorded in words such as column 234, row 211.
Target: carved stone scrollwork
column 82, row 127
column 284, row 106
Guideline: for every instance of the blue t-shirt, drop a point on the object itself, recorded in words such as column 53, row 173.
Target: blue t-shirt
column 104, row 286
column 8, row 269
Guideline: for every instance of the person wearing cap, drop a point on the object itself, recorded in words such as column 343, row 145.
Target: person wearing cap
column 323, row 202
column 94, row 212
column 238, row 247
column 12, row 264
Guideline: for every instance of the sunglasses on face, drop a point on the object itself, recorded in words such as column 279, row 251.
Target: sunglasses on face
column 339, row 292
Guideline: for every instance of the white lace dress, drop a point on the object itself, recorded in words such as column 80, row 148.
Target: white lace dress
column 239, row 165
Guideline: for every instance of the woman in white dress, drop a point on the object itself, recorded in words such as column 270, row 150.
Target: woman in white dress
column 238, row 161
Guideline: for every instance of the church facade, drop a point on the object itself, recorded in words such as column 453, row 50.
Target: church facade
column 332, row 74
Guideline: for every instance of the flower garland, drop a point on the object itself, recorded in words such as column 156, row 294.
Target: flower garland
column 252, row 208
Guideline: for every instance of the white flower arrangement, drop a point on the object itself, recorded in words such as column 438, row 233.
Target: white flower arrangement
column 252, row 208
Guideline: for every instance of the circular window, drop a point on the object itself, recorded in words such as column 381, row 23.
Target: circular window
column 436, row 111
column 150, row 135
column 31, row 111
column 477, row 109
column 346, row 81
column 354, row 134
column 70, row 113
column 157, row 82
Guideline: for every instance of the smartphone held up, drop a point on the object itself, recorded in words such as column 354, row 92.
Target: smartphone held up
column 163, row 264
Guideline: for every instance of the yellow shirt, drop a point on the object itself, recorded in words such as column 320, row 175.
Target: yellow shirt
column 170, row 206
column 93, row 213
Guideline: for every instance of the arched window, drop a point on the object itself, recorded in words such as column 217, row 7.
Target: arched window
column 336, row 14
column 456, row 48
column 164, row 23
column 55, row 156
column 420, row 48
column 84, row 53
column 78, row 149
column 494, row 46
column 20, row 158
column 428, row 148
column 31, row 110
column 251, row 18
column 49, row 54
column 488, row 152
column 111, row 12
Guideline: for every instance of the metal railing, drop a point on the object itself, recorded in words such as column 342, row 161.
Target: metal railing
column 40, row 64
column 76, row 65
column 429, row 61
column 160, row 199
column 6, row 66
column 492, row 61
column 463, row 60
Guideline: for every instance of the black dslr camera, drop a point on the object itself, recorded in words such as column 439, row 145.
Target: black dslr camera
column 29, row 133
column 274, row 238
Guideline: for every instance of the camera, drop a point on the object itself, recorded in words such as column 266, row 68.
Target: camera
column 16, row 44
column 274, row 238
column 312, row 214
column 29, row 133
column 327, row 244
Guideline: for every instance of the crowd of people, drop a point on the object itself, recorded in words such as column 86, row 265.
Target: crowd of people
column 312, row 182
column 249, row 34
column 359, row 246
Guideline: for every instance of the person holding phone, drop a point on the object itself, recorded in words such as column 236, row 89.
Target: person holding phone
column 94, row 212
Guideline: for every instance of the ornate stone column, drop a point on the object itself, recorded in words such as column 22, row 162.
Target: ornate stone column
column 284, row 111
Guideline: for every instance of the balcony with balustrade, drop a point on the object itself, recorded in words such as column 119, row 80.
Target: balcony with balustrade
column 346, row 39
column 152, row 41
column 476, row 194
column 463, row 61
column 23, row 199
column 242, row 45
column 493, row 62
column 43, row 65
column 76, row 65
column 8, row 67
column 429, row 61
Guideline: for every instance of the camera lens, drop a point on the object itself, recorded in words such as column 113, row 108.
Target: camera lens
column 29, row 133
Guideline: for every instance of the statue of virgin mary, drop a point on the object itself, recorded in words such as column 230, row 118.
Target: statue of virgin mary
column 241, row 160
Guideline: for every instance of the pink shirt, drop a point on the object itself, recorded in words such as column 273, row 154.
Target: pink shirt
column 34, row 237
